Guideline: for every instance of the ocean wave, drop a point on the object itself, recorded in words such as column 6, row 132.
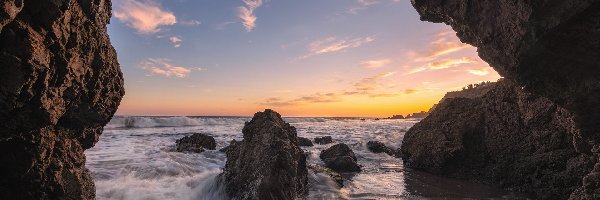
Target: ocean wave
column 150, row 122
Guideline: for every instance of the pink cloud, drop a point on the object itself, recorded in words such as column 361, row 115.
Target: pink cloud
column 146, row 16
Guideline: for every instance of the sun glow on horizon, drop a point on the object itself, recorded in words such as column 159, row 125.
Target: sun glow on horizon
column 347, row 59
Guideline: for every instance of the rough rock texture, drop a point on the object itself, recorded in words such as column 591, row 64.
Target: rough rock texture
column 267, row 164
column 549, row 47
column 323, row 140
column 379, row 147
column 305, row 142
column 196, row 142
column 60, row 83
column 340, row 158
column 231, row 143
column 508, row 137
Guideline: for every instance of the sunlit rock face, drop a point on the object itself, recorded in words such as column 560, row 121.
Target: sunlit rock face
column 60, row 83
column 550, row 48
column 268, row 163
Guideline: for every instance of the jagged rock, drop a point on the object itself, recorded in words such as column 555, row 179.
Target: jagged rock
column 304, row 142
column 508, row 137
column 324, row 170
column 548, row 47
column 60, row 83
column 268, row 163
column 340, row 158
column 196, row 142
column 323, row 140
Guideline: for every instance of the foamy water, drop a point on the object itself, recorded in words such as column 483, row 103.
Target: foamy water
column 134, row 159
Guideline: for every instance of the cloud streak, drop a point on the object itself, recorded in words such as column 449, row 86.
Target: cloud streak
column 176, row 41
column 161, row 66
column 376, row 63
column 333, row 44
column 246, row 13
column 146, row 17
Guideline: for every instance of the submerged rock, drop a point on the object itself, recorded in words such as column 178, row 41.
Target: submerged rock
column 305, row 142
column 323, row 140
column 324, row 170
column 268, row 163
column 60, row 83
column 508, row 136
column 340, row 158
column 196, row 142
column 377, row 147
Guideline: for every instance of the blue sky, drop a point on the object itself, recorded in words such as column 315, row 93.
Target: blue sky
column 302, row 58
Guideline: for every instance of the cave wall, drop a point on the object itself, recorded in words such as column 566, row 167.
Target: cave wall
column 550, row 48
column 60, row 83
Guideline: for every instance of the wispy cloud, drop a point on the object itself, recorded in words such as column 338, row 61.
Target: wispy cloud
column 246, row 13
column 482, row 71
column 443, row 64
column 333, row 44
column 371, row 83
column 161, row 66
column 362, row 4
column 190, row 22
column 376, row 63
column 145, row 16
column 176, row 41
column 445, row 43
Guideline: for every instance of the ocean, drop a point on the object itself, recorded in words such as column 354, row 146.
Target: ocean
column 136, row 159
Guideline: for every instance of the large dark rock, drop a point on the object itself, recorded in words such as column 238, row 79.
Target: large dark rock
column 508, row 137
column 550, row 48
column 305, row 142
column 196, row 142
column 377, row 147
column 60, row 83
column 268, row 163
column 340, row 158
column 323, row 140
column 338, row 178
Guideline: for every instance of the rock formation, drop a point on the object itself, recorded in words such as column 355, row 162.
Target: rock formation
column 60, row 83
column 340, row 158
column 196, row 142
column 338, row 178
column 549, row 48
column 379, row 147
column 305, row 142
column 323, row 140
column 396, row 117
column 268, row 163
column 508, row 137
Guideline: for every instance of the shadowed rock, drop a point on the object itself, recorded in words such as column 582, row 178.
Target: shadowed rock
column 196, row 142
column 340, row 158
column 60, row 83
column 508, row 136
column 547, row 47
column 268, row 163
column 323, row 140
column 231, row 143
column 324, row 170
column 305, row 142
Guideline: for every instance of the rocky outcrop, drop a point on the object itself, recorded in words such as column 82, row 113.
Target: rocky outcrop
column 268, row 163
column 396, row 117
column 60, row 83
column 421, row 114
column 196, row 143
column 508, row 137
column 323, row 140
column 305, row 142
column 548, row 47
column 338, row 178
column 340, row 158
column 231, row 143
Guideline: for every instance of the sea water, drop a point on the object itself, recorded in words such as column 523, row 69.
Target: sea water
column 135, row 159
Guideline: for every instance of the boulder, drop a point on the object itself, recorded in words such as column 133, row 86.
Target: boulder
column 507, row 137
column 267, row 163
column 323, row 140
column 60, row 84
column 378, row 147
column 196, row 142
column 304, row 142
column 340, row 158
column 231, row 144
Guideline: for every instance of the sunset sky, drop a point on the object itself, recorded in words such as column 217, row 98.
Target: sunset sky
column 368, row 58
